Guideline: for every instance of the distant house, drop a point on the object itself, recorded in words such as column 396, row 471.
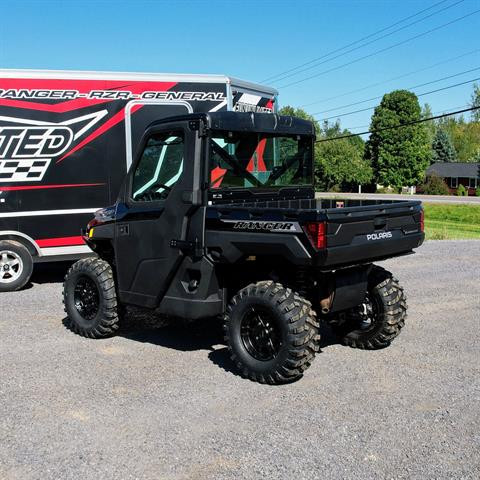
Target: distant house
column 457, row 173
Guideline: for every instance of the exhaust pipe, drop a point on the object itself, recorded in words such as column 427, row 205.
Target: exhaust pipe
column 326, row 303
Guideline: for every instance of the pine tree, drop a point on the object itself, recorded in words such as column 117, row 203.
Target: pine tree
column 442, row 148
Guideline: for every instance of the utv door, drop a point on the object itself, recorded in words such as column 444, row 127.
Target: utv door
column 161, row 194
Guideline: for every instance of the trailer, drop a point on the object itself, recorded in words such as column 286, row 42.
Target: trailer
column 67, row 140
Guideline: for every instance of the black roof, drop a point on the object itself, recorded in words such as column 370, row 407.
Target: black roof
column 249, row 121
column 454, row 169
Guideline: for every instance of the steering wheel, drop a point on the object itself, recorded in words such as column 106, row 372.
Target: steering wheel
column 161, row 185
column 150, row 195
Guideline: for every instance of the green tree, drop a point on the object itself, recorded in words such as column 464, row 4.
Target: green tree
column 399, row 156
column 475, row 103
column 465, row 137
column 442, row 148
column 340, row 163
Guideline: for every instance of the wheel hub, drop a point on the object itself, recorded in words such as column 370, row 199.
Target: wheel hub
column 260, row 334
column 365, row 314
column 86, row 298
column 11, row 266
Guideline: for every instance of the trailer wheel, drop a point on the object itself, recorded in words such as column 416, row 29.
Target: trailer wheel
column 16, row 265
column 90, row 298
column 271, row 332
column 376, row 322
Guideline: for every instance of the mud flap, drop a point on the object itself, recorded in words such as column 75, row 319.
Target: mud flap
column 350, row 287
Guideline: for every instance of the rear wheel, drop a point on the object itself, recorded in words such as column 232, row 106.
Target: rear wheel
column 271, row 332
column 378, row 320
column 16, row 265
column 90, row 299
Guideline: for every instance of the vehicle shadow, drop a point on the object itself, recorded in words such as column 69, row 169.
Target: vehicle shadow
column 221, row 356
column 190, row 336
column 176, row 334
column 200, row 335
column 53, row 272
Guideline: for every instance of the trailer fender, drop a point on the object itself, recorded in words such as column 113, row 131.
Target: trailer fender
column 22, row 238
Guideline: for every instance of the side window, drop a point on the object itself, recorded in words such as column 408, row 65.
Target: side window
column 159, row 167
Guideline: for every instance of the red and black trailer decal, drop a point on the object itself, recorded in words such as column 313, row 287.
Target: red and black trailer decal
column 64, row 148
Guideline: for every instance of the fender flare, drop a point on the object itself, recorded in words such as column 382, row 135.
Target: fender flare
column 24, row 239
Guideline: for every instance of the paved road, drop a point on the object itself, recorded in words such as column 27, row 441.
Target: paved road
column 164, row 403
column 423, row 198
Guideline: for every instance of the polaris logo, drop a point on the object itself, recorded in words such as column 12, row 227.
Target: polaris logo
column 264, row 226
column 379, row 236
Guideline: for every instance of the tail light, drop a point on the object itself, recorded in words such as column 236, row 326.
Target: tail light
column 422, row 220
column 317, row 234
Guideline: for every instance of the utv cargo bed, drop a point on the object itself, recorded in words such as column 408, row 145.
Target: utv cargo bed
column 356, row 231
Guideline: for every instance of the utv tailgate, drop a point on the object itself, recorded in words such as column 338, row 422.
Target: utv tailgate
column 371, row 232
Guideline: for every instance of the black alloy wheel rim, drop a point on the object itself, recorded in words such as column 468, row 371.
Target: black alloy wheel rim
column 86, row 298
column 261, row 334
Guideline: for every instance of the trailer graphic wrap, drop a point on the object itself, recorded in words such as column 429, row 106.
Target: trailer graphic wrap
column 66, row 143
column 26, row 150
column 248, row 102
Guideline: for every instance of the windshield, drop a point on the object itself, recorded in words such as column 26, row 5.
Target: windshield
column 246, row 160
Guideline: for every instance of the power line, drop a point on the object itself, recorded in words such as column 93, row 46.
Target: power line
column 443, row 111
column 414, row 72
column 283, row 77
column 434, row 113
column 272, row 77
column 383, row 49
column 398, row 126
column 407, row 88
column 418, row 95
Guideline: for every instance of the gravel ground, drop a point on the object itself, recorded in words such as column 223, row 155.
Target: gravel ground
column 164, row 403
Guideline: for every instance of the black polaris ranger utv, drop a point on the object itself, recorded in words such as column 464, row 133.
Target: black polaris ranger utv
column 218, row 217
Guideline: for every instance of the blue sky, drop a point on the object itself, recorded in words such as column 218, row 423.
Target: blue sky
column 255, row 40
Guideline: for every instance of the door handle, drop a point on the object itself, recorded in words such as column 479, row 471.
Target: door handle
column 123, row 229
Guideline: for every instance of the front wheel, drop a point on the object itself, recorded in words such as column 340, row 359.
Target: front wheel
column 90, row 299
column 378, row 320
column 271, row 332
